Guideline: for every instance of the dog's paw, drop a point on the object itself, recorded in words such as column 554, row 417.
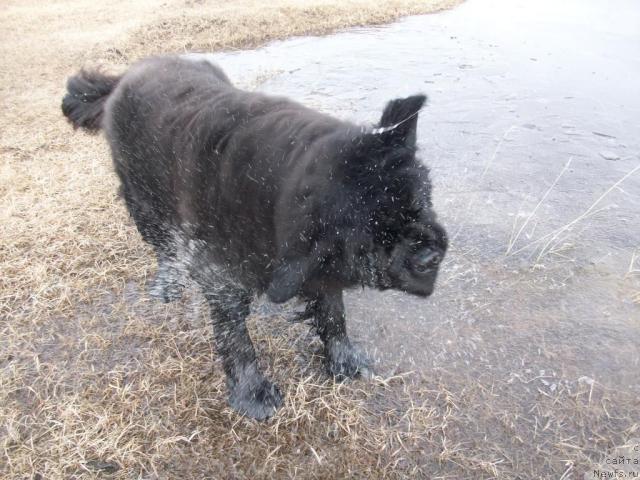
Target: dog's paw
column 165, row 287
column 345, row 361
column 255, row 398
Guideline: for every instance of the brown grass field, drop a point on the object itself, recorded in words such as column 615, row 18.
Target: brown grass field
column 97, row 381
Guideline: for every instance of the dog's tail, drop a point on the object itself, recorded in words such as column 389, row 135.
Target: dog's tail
column 87, row 92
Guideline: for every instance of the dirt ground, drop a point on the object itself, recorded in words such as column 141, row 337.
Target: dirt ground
column 99, row 381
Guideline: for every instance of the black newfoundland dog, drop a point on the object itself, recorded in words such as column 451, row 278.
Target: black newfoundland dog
column 249, row 194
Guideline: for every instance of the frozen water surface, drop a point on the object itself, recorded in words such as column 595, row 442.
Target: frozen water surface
column 531, row 133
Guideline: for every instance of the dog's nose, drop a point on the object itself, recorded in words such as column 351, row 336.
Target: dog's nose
column 427, row 261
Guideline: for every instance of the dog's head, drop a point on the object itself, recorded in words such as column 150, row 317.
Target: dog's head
column 410, row 257
column 363, row 213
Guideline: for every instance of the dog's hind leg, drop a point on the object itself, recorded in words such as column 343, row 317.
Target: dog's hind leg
column 175, row 262
column 250, row 393
column 343, row 360
column 170, row 279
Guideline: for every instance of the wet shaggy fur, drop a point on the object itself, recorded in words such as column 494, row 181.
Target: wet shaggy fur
column 249, row 194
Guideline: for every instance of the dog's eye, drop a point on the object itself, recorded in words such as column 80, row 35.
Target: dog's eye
column 426, row 261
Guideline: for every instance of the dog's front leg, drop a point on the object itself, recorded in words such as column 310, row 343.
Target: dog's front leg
column 343, row 360
column 250, row 393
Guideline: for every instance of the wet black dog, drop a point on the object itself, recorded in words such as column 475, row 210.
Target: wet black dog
column 250, row 194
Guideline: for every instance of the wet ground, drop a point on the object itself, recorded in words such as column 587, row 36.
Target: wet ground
column 531, row 133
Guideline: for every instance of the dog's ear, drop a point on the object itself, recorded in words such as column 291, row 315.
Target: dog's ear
column 289, row 276
column 400, row 120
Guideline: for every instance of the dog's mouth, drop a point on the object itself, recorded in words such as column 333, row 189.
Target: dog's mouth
column 424, row 293
column 404, row 281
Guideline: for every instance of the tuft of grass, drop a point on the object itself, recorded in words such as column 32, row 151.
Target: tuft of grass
column 556, row 240
column 634, row 271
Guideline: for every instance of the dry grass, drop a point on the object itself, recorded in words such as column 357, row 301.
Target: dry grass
column 97, row 382
column 212, row 26
column 125, row 387
column 105, row 404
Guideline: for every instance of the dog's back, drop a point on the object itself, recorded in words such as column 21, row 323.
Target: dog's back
column 197, row 155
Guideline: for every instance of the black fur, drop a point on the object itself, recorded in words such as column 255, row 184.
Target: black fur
column 251, row 194
column 83, row 104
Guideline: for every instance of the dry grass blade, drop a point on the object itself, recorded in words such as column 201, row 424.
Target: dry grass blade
column 514, row 240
